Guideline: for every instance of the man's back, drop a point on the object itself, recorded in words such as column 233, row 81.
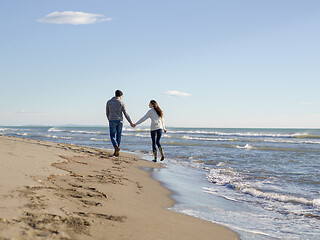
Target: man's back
column 114, row 109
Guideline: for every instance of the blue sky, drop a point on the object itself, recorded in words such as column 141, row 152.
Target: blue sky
column 235, row 63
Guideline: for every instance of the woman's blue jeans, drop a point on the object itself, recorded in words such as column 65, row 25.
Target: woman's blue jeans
column 155, row 137
column 115, row 127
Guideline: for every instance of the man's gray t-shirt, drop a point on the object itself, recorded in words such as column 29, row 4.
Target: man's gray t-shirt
column 114, row 109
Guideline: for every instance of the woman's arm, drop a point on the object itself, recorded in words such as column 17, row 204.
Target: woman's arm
column 164, row 128
column 145, row 117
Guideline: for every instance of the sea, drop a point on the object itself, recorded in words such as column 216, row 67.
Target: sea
column 260, row 183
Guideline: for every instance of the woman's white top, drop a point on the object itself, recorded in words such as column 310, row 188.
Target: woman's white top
column 156, row 121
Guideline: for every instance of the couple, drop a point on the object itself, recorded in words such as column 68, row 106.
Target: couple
column 114, row 110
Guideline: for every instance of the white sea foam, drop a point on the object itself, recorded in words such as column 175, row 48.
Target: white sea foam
column 199, row 214
column 235, row 227
column 19, row 132
column 136, row 129
column 221, row 164
column 280, row 197
column 210, row 190
column 316, row 202
column 98, row 140
column 229, row 198
column 217, row 193
column 207, row 139
column 230, row 178
column 246, row 134
column 74, row 131
column 142, row 135
column 223, row 176
column 22, row 134
column 296, row 141
column 13, row 129
column 136, row 134
column 86, row 132
column 247, row 146
column 57, row 137
column 55, row 130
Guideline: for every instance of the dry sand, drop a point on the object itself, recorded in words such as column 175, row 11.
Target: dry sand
column 60, row 191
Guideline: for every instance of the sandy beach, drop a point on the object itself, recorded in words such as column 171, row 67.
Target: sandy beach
column 60, row 191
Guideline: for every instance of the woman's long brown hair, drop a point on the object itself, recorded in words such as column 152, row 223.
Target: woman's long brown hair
column 157, row 108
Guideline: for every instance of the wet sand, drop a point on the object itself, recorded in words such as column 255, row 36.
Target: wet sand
column 60, row 191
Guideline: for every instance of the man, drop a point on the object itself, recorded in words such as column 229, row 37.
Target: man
column 114, row 110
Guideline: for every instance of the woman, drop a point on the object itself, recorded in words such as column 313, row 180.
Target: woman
column 157, row 124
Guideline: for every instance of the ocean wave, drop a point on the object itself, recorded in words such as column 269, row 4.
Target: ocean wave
column 207, row 139
column 247, row 134
column 308, row 136
column 250, row 134
column 136, row 134
column 223, row 176
column 182, row 144
column 136, row 129
column 296, row 141
column 22, row 134
column 205, row 135
column 280, row 197
column 86, row 132
column 75, row 131
column 221, row 164
column 247, row 146
column 98, row 140
column 15, row 133
column 199, row 214
column 56, row 130
column 230, row 178
column 57, row 137
column 13, row 129
column 280, row 149
column 215, row 192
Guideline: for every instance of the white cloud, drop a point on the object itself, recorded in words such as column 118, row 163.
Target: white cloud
column 74, row 18
column 174, row 93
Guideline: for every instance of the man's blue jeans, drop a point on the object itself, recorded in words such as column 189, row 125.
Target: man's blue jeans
column 115, row 128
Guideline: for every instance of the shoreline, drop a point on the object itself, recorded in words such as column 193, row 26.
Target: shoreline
column 61, row 191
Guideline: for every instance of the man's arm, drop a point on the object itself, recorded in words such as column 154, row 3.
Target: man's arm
column 125, row 113
column 107, row 111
